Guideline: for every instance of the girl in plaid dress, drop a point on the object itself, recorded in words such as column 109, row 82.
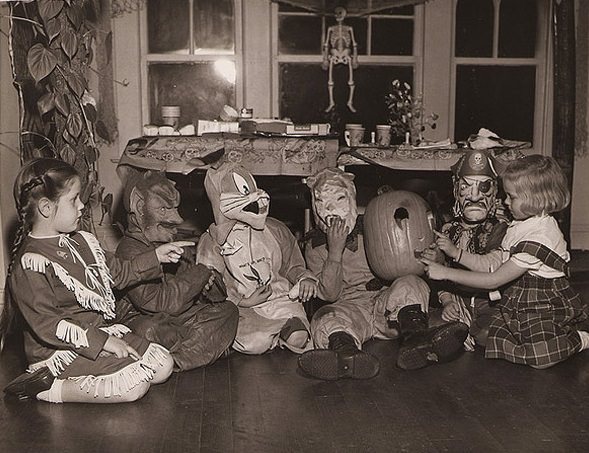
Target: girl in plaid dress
column 540, row 317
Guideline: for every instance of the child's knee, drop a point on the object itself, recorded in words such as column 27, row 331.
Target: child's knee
column 253, row 344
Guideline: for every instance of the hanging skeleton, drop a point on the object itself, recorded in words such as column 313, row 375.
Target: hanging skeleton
column 340, row 47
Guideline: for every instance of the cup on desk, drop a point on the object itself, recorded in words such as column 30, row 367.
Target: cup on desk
column 383, row 134
column 354, row 134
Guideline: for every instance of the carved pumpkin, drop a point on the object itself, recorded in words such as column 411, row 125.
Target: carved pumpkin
column 397, row 224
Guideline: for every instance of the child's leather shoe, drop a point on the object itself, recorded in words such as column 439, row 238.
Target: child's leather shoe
column 29, row 385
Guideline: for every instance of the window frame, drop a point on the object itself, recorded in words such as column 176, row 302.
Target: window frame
column 414, row 60
column 147, row 58
column 542, row 107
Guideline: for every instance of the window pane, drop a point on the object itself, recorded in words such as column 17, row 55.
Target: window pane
column 517, row 28
column 200, row 90
column 299, row 35
column 499, row 98
column 401, row 11
column 163, row 38
column 213, row 26
column 392, row 37
column 304, row 95
column 474, row 28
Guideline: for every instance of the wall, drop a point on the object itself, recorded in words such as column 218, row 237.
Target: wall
column 9, row 158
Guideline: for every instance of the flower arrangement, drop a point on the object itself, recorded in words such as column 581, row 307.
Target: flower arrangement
column 407, row 113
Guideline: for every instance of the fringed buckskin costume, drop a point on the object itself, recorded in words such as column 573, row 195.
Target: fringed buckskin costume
column 252, row 250
column 172, row 309
column 62, row 285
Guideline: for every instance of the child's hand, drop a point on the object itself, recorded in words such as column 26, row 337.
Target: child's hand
column 120, row 348
column 451, row 311
column 337, row 232
column 446, row 245
column 259, row 296
column 215, row 290
column 307, row 289
column 172, row 251
column 434, row 270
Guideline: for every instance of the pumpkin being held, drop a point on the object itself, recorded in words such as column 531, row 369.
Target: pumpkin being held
column 397, row 225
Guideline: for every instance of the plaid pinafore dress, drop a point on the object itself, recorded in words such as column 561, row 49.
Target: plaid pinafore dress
column 537, row 318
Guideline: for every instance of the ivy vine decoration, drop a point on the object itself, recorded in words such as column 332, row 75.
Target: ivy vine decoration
column 56, row 38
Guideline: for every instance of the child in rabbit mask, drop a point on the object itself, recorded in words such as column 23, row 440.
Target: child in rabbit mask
column 261, row 263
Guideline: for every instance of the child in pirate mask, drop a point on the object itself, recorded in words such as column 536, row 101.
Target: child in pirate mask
column 477, row 229
column 185, row 310
column 261, row 263
column 357, row 311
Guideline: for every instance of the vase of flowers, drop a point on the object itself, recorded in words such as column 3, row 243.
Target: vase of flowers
column 407, row 114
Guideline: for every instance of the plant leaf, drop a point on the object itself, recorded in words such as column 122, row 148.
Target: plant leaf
column 102, row 131
column 74, row 125
column 69, row 42
column 75, row 16
column 63, row 104
column 90, row 111
column 76, row 84
column 46, row 103
column 48, row 9
column 68, row 154
column 90, row 154
column 41, row 61
column 52, row 26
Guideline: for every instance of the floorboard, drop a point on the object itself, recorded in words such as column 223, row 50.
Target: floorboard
column 263, row 404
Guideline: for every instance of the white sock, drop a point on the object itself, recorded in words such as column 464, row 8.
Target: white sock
column 53, row 395
column 584, row 339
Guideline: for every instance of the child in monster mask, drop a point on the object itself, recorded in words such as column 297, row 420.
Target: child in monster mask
column 261, row 263
column 357, row 311
column 542, row 320
column 181, row 309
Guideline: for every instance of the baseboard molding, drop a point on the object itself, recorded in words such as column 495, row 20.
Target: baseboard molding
column 580, row 236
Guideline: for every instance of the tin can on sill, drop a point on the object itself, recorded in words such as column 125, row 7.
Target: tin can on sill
column 246, row 113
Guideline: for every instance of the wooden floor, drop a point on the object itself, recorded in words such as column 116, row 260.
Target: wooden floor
column 262, row 404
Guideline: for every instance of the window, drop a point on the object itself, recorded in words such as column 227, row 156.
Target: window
column 191, row 54
column 385, row 44
column 499, row 63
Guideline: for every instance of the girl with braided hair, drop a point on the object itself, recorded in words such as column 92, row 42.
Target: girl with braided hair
column 60, row 281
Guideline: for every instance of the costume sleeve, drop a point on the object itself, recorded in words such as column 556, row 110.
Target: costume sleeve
column 293, row 264
column 209, row 253
column 41, row 308
column 329, row 273
column 132, row 269
column 172, row 294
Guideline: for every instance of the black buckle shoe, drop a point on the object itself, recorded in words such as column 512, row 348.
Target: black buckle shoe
column 330, row 365
column 29, row 385
column 437, row 345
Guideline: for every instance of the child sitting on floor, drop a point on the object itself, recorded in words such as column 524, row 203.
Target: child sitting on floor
column 60, row 280
column 540, row 317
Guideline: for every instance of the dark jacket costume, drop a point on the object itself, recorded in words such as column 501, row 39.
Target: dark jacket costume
column 168, row 308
